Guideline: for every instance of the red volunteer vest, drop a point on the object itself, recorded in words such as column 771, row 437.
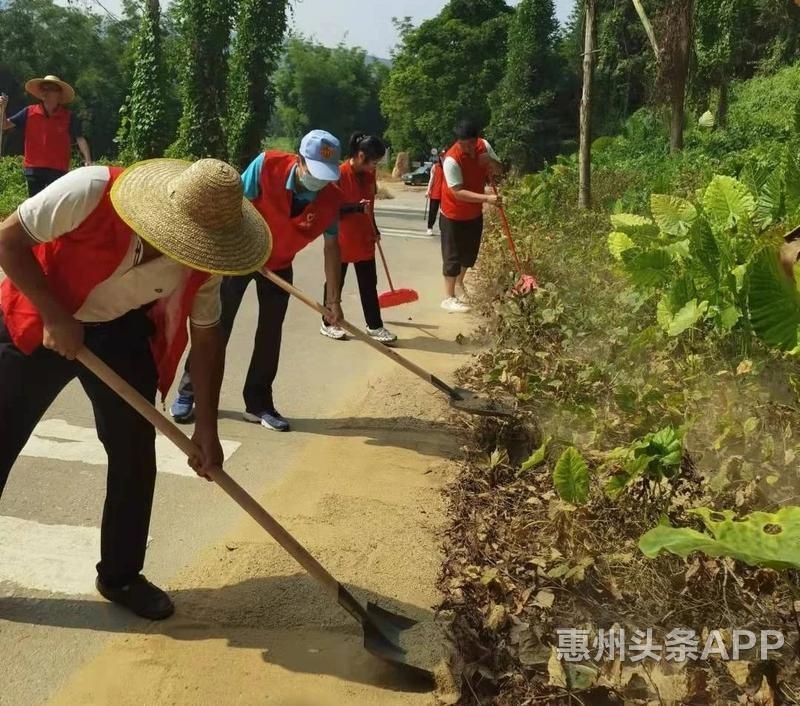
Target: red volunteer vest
column 47, row 140
column 436, row 184
column 274, row 203
column 76, row 263
column 475, row 177
column 356, row 232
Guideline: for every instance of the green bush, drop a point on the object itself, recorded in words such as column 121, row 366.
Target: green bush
column 13, row 190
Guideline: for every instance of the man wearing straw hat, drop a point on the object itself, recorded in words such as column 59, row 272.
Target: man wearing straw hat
column 50, row 129
column 119, row 260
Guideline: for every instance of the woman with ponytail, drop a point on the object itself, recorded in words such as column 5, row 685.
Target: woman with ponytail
column 358, row 231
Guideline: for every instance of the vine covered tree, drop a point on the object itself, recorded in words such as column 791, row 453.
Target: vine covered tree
column 204, row 30
column 256, row 51
column 141, row 132
column 524, row 124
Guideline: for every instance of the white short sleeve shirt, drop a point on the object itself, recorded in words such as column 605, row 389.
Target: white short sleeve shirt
column 452, row 170
column 64, row 205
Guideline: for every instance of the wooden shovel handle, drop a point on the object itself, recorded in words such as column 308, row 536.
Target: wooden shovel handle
column 361, row 336
column 222, row 479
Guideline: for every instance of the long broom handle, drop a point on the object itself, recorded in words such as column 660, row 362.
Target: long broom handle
column 222, row 479
column 507, row 228
column 380, row 249
column 361, row 336
column 2, row 122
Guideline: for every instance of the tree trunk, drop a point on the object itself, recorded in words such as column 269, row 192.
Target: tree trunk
column 722, row 105
column 679, row 64
column 585, row 161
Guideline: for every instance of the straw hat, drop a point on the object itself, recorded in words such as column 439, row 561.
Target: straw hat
column 194, row 213
column 34, row 87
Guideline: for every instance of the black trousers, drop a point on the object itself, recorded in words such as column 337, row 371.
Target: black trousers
column 367, row 274
column 433, row 211
column 30, row 383
column 40, row 179
column 272, row 305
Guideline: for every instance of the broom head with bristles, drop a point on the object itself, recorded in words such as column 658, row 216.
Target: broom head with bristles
column 396, row 297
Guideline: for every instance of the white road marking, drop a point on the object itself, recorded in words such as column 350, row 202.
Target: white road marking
column 55, row 558
column 57, row 439
column 401, row 233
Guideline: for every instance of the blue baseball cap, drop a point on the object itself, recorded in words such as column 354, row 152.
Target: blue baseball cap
column 322, row 153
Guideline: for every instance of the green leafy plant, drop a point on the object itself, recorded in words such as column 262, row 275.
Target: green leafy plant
column 758, row 539
column 711, row 264
column 571, row 477
column 654, row 457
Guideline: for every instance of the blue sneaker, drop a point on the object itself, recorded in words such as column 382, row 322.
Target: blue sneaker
column 271, row 420
column 182, row 409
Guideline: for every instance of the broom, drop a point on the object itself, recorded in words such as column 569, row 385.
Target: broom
column 526, row 282
column 395, row 297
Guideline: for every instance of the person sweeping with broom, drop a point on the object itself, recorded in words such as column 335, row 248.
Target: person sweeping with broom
column 298, row 197
column 118, row 261
column 467, row 166
column 358, row 232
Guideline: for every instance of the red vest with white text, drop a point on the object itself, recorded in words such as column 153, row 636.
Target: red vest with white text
column 76, row 263
column 274, row 203
column 47, row 139
column 356, row 231
column 474, row 179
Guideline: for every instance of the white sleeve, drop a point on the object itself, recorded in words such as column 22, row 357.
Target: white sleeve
column 207, row 306
column 490, row 151
column 63, row 205
column 452, row 172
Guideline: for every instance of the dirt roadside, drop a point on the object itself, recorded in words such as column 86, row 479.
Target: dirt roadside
column 365, row 498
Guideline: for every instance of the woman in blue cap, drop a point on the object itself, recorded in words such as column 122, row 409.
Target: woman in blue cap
column 298, row 197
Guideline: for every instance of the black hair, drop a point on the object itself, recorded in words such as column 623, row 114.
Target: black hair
column 466, row 130
column 372, row 147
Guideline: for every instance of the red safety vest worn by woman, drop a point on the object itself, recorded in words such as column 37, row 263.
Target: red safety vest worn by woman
column 474, row 179
column 274, row 203
column 76, row 263
column 437, row 177
column 47, row 139
column 356, row 230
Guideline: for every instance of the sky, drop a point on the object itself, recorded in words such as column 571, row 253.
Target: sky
column 364, row 23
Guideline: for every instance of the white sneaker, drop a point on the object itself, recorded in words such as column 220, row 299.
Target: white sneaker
column 461, row 293
column 429, row 231
column 454, row 305
column 382, row 335
column 333, row 332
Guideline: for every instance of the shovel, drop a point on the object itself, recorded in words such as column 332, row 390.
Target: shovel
column 460, row 399
column 382, row 628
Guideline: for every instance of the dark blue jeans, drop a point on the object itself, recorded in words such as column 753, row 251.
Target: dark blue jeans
column 272, row 305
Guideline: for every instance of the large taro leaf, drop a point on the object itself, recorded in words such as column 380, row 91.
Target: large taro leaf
column 774, row 302
column 618, row 243
column 727, row 201
column 648, row 269
column 759, row 539
column 571, row 477
column 704, row 249
column 770, row 203
column 672, row 214
column 634, row 225
column 686, row 317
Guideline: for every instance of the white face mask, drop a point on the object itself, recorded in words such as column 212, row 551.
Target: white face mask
column 311, row 183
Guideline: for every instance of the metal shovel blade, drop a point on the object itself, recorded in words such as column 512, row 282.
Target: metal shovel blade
column 383, row 637
column 473, row 403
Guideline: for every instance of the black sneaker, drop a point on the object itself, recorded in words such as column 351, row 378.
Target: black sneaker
column 140, row 597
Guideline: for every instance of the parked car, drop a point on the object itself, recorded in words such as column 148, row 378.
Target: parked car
column 421, row 175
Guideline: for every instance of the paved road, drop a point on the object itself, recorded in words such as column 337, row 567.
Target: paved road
column 50, row 511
